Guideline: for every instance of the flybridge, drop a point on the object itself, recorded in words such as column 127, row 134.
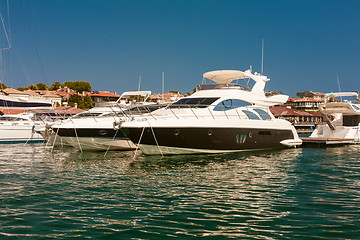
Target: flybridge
column 225, row 77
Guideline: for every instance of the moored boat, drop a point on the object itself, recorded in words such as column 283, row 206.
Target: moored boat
column 224, row 117
column 342, row 122
column 19, row 128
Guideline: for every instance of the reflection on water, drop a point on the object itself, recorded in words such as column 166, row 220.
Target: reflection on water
column 292, row 193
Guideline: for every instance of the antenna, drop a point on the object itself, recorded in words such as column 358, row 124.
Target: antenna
column 139, row 82
column 337, row 77
column 262, row 57
column 163, row 83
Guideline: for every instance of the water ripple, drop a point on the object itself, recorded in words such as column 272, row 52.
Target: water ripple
column 288, row 194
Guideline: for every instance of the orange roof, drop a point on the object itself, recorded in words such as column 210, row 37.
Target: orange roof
column 283, row 111
column 307, row 100
column 13, row 91
column 103, row 94
column 31, row 92
column 12, row 111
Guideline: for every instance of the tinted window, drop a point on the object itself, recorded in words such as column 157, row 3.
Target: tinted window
column 231, row 104
column 356, row 107
column 251, row 115
column 263, row 114
column 193, row 102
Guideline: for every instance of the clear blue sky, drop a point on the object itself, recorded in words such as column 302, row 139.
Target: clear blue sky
column 110, row 43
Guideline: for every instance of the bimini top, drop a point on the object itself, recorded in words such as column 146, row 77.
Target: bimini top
column 227, row 76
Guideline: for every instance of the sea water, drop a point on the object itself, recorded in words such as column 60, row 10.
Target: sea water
column 303, row 193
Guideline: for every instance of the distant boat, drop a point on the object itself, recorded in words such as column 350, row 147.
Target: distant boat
column 342, row 122
column 18, row 128
column 12, row 98
column 224, row 117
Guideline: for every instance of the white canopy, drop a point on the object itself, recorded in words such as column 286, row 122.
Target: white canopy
column 136, row 93
column 227, row 76
column 342, row 94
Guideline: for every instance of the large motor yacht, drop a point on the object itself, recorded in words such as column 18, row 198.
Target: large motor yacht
column 342, row 121
column 218, row 118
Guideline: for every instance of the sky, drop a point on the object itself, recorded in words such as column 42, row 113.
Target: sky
column 308, row 45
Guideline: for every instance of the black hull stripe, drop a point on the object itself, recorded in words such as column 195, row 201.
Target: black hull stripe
column 90, row 132
column 212, row 138
column 5, row 103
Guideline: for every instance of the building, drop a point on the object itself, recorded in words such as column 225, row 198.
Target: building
column 306, row 104
column 311, row 94
column 296, row 116
column 98, row 96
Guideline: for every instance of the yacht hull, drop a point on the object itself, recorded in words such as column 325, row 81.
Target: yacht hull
column 99, row 144
column 18, row 134
column 95, row 139
column 168, row 141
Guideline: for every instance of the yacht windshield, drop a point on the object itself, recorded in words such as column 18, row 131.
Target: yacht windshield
column 87, row 114
column 263, row 114
column 135, row 110
column 193, row 103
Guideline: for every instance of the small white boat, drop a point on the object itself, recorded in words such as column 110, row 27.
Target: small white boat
column 19, row 128
column 90, row 132
column 342, row 122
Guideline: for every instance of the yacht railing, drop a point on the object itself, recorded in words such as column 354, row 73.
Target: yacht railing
column 202, row 112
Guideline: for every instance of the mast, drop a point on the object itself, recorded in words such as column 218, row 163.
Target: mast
column 262, row 57
column 337, row 78
column 139, row 83
column 163, row 83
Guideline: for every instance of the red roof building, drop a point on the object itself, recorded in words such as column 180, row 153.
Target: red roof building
column 296, row 116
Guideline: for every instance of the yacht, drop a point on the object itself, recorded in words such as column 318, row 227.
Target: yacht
column 94, row 130
column 19, row 128
column 342, row 121
column 217, row 118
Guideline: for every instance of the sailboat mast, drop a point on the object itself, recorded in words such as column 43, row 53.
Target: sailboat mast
column 163, row 83
column 262, row 57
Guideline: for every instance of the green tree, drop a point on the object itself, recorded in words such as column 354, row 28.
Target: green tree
column 55, row 86
column 22, row 89
column 176, row 92
column 86, row 102
column 79, row 86
column 41, row 86
column 2, row 86
column 82, row 102
column 32, row 87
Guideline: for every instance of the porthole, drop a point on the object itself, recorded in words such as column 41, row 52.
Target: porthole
column 103, row 132
column 176, row 132
column 250, row 135
column 210, row 132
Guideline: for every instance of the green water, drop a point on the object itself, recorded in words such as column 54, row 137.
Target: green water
column 285, row 194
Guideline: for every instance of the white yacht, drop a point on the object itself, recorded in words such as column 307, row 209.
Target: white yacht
column 87, row 131
column 342, row 121
column 18, row 128
column 218, row 118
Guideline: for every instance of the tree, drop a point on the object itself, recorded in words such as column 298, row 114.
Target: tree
column 55, row 86
column 176, row 92
column 79, row 86
column 82, row 102
column 22, row 89
column 41, row 86
column 32, row 87
column 2, row 86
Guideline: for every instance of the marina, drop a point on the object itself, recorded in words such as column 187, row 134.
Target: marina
column 147, row 120
column 282, row 194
